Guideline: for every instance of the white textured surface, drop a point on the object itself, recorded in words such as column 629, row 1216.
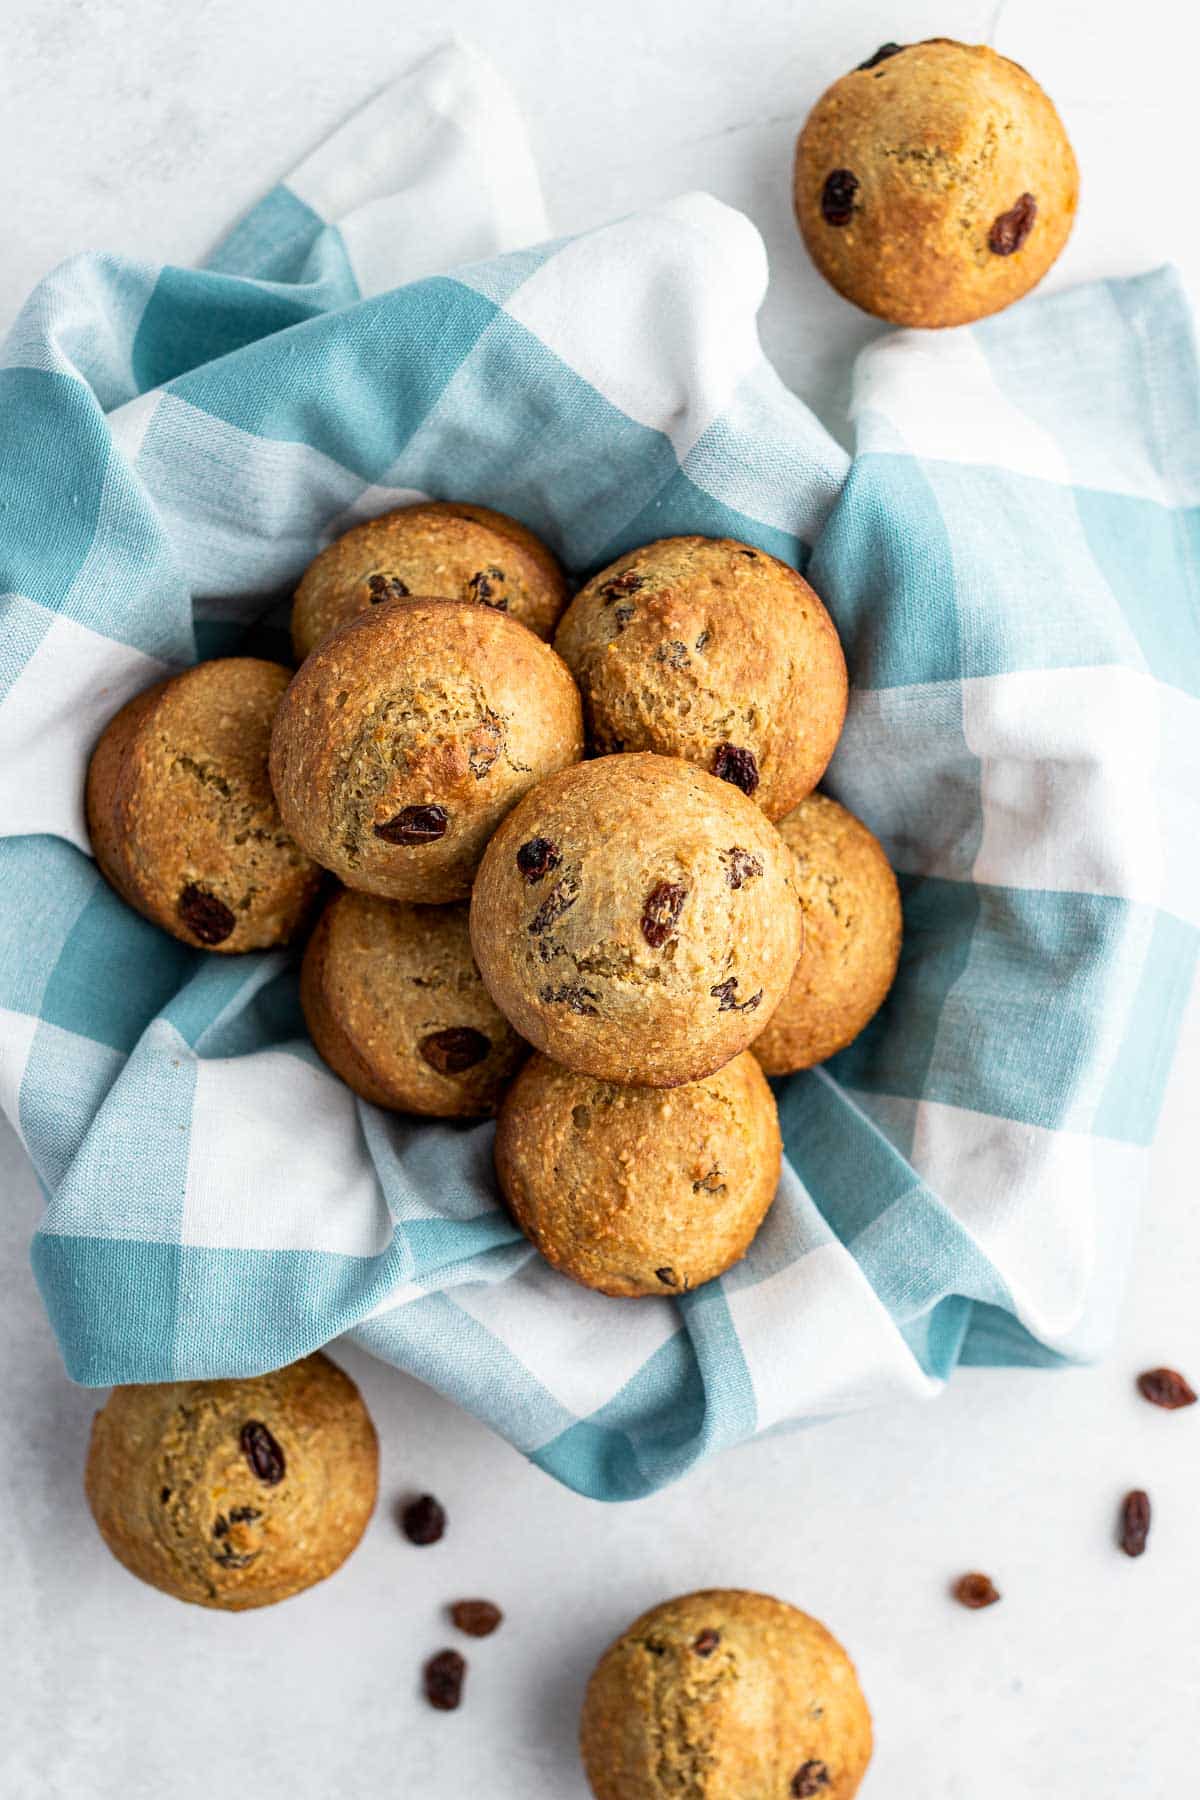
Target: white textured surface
column 145, row 128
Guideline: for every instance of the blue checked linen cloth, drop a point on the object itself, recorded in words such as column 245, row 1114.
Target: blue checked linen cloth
column 1010, row 557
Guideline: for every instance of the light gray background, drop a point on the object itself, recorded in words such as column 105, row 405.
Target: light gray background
column 146, row 128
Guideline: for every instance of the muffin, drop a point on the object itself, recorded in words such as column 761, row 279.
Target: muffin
column 397, row 1008
column 636, row 919
column 639, row 1190
column 406, row 737
column 729, row 1695
column 440, row 547
column 181, row 815
column 710, row 650
column 234, row 1493
column 852, row 929
column 935, row 184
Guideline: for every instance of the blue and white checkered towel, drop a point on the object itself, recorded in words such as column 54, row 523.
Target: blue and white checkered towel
column 1010, row 557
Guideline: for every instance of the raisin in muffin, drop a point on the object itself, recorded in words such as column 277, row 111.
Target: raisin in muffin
column 935, row 184
column 181, row 814
column 729, row 1695
column 234, row 1494
column 714, row 651
column 442, row 547
column 406, row 737
column 852, row 928
column 638, row 1190
column 637, row 920
column 397, row 1008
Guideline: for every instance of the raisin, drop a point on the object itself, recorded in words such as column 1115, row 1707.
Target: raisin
column 262, row 1452
column 706, row 1643
column 423, row 1521
column 975, row 1590
column 730, row 763
column 702, row 640
column 674, row 654
column 741, row 866
column 478, row 1618
column 661, row 911
column 724, row 992
column 206, row 917
column 881, row 55
column 457, row 1048
column 1166, row 1387
column 809, row 1779
column 576, row 999
column 164, row 1496
column 1011, row 228
column 622, row 615
column 386, row 587
column 837, row 197
column 710, row 1183
column 244, row 1515
column 668, row 1277
column 483, row 588
column 444, row 1676
column 1135, row 1522
column 560, row 899
column 629, row 583
column 229, row 1558
column 751, row 554
column 414, row 825
column 538, row 857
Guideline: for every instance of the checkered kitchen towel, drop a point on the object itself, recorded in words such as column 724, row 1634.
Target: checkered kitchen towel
column 1010, row 556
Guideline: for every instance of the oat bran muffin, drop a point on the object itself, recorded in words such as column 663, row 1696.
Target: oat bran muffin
column 714, row 651
column 181, row 814
column 234, row 1494
column 935, row 184
column 725, row 1695
column 407, row 735
column 636, row 920
column 397, row 1008
column 852, row 929
column 639, row 1190
column 443, row 547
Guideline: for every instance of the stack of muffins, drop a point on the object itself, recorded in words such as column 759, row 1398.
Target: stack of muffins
column 610, row 850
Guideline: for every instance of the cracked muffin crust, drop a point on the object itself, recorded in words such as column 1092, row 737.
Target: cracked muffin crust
column 447, row 548
column 636, row 919
column 713, row 651
column 725, row 1695
column 396, row 1006
column 181, row 815
column 406, row 736
column 636, row 1190
column 852, row 928
column 935, row 184
column 234, row 1494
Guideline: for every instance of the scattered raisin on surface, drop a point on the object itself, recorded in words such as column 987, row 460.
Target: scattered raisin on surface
column 732, row 763
column 674, row 654
column 575, row 998
column 706, row 1642
column 386, row 587
column 560, row 899
column 975, row 1590
column 668, row 1277
column 1135, row 1522
column 538, row 857
column 629, row 583
column 809, row 1779
column 661, row 911
column 423, row 1521
column 483, row 588
column 881, row 55
column 710, row 1183
column 262, row 1452
column 457, row 1048
column 837, row 197
column 741, row 866
column 725, row 993
column 1166, row 1388
column 478, row 1618
column 206, row 917
column 703, row 640
column 1011, row 228
column 415, row 825
column 623, row 615
column 444, row 1676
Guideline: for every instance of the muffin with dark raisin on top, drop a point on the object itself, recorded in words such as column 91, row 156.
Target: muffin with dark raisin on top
column 935, row 183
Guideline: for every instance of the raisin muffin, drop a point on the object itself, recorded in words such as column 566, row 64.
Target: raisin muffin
column 397, row 1008
column 181, row 815
column 637, row 920
column 852, row 928
column 440, row 547
column 234, row 1494
column 639, row 1190
column 729, row 1695
column 407, row 735
column 935, row 184
column 714, row 651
